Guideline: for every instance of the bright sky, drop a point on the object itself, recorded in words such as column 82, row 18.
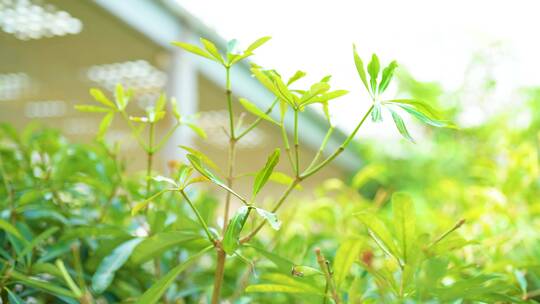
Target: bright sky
column 434, row 40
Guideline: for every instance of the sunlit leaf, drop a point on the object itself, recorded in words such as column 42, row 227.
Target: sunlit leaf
column 91, row 109
column 404, row 223
column 199, row 131
column 212, row 49
column 104, row 125
column 101, row 98
column 378, row 231
column 253, row 109
column 120, row 97
column 346, row 254
column 360, row 68
column 168, row 180
column 257, row 43
column 387, row 76
column 209, row 162
column 373, row 71
column 194, row 49
column 295, row 77
column 400, row 125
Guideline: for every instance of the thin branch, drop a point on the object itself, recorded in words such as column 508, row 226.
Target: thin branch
column 323, row 264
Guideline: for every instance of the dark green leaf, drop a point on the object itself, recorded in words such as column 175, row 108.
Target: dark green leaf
column 106, row 270
column 154, row 293
column 232, row 233
column 262, row 177
column 157, row 244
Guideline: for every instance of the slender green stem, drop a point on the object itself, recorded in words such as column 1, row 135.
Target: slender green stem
column 444, row 235
column 340, row 149
column 230, row 179
column 221, row 256
column 323, row 264
column 165, row 139
column 286, row 144
column 321, row 149
column 296, row 144
column 134, row 132
column 257, row 121
column 274, row 209
column 218, row 277
column 150, row 154
column 229, row 101
column 199, row 217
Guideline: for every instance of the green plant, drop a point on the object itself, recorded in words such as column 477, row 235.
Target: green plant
column 106, row 225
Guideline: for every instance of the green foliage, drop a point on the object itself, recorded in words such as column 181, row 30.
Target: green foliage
column 78, row 227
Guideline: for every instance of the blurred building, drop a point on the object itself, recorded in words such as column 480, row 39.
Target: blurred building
column 52, row 52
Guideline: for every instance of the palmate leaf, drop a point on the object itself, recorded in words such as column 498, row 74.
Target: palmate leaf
column 315, row 90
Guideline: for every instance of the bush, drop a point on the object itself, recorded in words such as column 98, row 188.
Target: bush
column 78, row 227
